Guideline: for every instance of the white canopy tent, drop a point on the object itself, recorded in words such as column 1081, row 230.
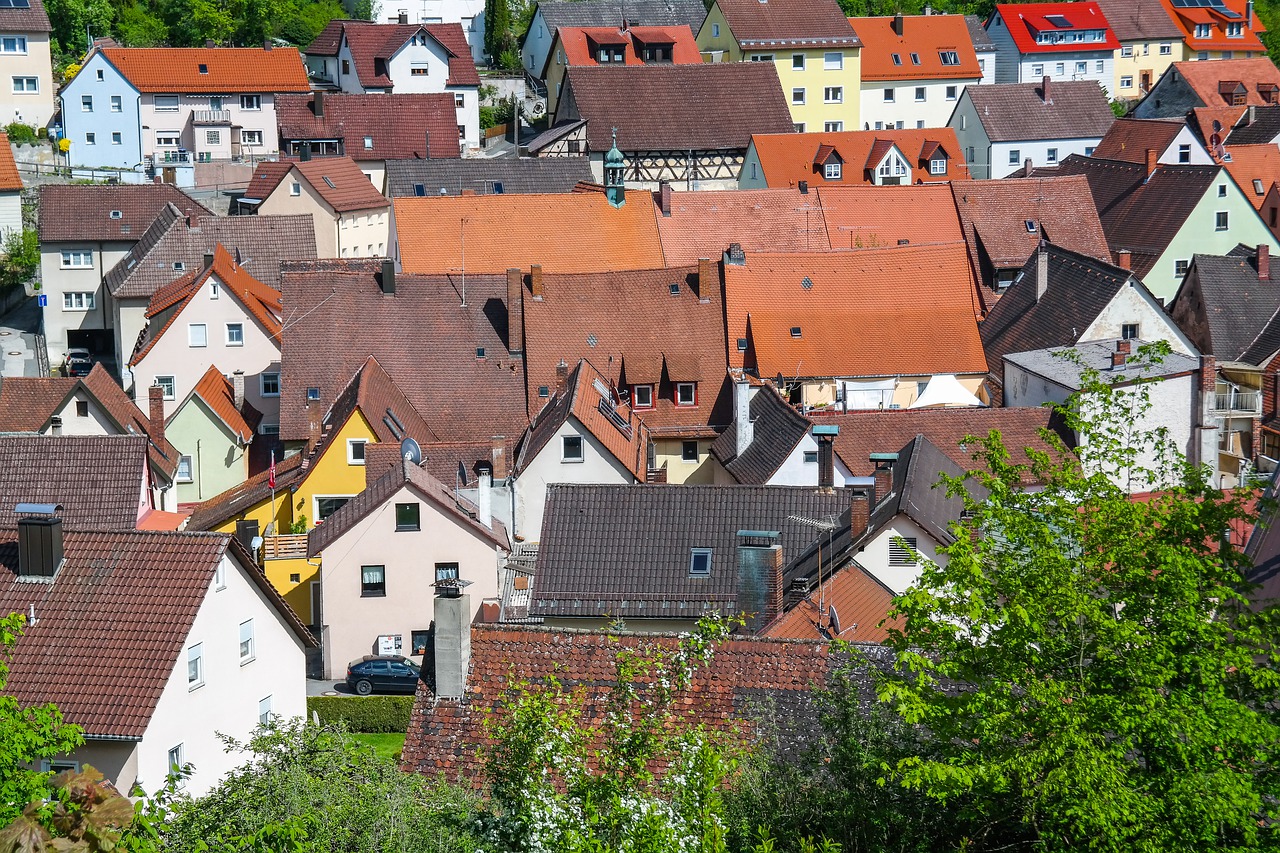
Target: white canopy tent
column 945, row 391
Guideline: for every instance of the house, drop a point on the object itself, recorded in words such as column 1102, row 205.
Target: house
column 785, row 313
column 1254, row 126
column 77, row 251
column 212, row 429
column 1179, row 395
column 188, row 643
column 1217, row 29
column 1173, row 140
column 158, row 110
column 584, row 434
column 361, row 57
column 1005, row 221
column 1163, row 215
column 1061, row 298
column 24, row 28
column 102, row 482
column 370, row 129
column 913, row 69
column 1064, row 42
column 984, row 48
column 669, row 370
column 351, row 217
column 216, row 315
column 1149, row 43
column 625, row 44
column 688, row 124
column 10, row 189
column 809, row 42
column 500, row 232
column 1004, row 127
column 174, row 245
column 1256, row 171
column 695, row 225
column 93, row 405
column 485, row 175
column 375, row 551
column 550, row 15
column 1234, row 83
column 876, row 157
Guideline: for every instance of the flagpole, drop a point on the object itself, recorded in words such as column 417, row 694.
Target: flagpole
column 271, row 481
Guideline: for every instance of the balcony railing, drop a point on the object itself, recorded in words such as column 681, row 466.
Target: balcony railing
column 290, row 547
column 172, row 157
column 211, row 117
column 1247, row 402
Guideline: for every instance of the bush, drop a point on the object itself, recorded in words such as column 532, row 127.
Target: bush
column 365, row 714
column 21, row 134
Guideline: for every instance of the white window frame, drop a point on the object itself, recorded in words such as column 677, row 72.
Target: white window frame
column 1051, row 155
column 117, row 104
column 177, row 756
column 168, row 387
column 220, row 576
column 352, row 444
column 635, row 397
column 694, row 555
column 833, row 61
column 77, row 259
column 116, row 138
column 833, row 127
column 693, row 393
column 203, row 335
column 78, row 300
column 715, row 31
column 1166, row 49
column 25, row 85
column 953, row 93
column 183, row 474
column 250, row 137
column 1126, row 50
column 59, row 765
column 251, row 103
column 248, row 648
column 922, row 93
column 889, row 95
column 195, row 675
column 264, row 710
column 161, row 103
column 565, row 456
column 1126, row 81
column 797, row 62
column 797, row 95
column 86, row 103
column 832, row 171
column 295, row 189
column 938, row 166
column 91, row 138
column 1015, row 156
column 232, row 330
column 19, row 45
column 168, row 139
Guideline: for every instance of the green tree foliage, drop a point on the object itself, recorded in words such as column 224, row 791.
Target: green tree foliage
column 499, row 37
column 20, row 262
column 872, row 8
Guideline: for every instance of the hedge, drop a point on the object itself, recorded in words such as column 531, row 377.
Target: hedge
column 366, row 714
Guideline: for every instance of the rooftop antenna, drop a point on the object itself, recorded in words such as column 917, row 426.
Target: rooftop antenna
column 829, row 524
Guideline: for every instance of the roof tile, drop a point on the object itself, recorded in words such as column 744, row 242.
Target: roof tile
column 396, row 126
column 219, row 70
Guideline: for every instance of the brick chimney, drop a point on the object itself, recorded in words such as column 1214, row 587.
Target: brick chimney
column 498, row 456
column 237, row 389
column 562, row 376
column 208, row 260
column 535, row 280
column 1153, row 160
column 884, row 464
column 1044, row 90
column 155, row 410
column 515, row 311
column 1124, row 259
column 664, row 197
column 1120, row 356
column 859, row 512
column 708, row 278
column 826, row 435
column 1264, row 262
column 1124, row 346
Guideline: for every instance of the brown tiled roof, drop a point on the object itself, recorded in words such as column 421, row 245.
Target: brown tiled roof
column 717, row 106
column 424, row 337
column 218, row 394
column 397, row 126
column 776, row 430
column 9, row 177
column 1129, row 139
column 787, row 159
column 126, row 602
column 220, row 509
column 674, row 337
column 26, row 403
column 83, row 211
column 807, row 23
column 726, row 693
column 387, row 486
column 99, row 479
column 389, row 413
column 259, row 242
column 1205, row 78
column 1018, row 112
column 339, row 181
column 702, row 224
column 1134, row 20
column 29, row 19
column 267, row 175
column 576, row 44
column 373, row 44
column 216, row 70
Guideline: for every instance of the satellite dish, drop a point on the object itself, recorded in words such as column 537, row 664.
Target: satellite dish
column 833, row 619
column 411, row 452
column 1217, row 126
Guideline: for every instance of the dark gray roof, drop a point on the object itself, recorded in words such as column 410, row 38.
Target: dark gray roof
column 1016, row 112
column 1096, row 355
column 624, row 550
column 1139, row 19
column 483, row 174
column 982, row 42
column 553, row 134
column 98, row 479
column 604, row 13
column 776, row 429
column 1239, row 310
column 29, row 19
column 1258, row 125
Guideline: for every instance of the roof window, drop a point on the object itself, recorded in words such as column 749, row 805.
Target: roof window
column 675, row 289
column 699, row 562
column 479, row 352
column 117, row 214
column 544, row 391
column 204, row 69
column 419, row 190
column 1031, row 226
column 915, row 59
column 949, row 57
column 807, row 283
column 897, row 60
column 795, row 331
column 742, row 344
column 329, row 182
column 313, row 393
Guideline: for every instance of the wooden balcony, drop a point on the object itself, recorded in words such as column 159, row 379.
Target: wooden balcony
column 292, row 547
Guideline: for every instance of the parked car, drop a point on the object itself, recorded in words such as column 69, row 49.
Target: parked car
column 79, row 362
column 382, row 674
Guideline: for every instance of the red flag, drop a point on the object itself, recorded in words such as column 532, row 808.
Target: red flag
column 271, row 473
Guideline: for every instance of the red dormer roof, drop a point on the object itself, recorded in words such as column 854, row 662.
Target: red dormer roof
column 1026, row 20
column 577, row 44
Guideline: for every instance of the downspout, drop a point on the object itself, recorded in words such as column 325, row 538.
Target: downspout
column 199, row 472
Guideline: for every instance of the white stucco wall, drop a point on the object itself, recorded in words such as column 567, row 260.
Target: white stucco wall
column 1039, row 151
column 797, row 472
column 94, row 422
column 875, row 557
column 537, row 44
column 57, row 280
column 1131, row 305
column 933, row 111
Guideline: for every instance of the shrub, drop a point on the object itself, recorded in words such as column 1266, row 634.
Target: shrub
column 21, row 134
column 366, row 714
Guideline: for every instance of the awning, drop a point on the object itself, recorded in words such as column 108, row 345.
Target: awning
column 945, row 391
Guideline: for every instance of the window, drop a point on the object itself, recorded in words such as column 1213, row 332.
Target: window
column 168, row 139
column 91, row 139
column 833, row 95
column 1037, row 71
column 220, row 576
column 82, row 408
column 54, row 765
column 407, row 517
column 295, row 188
column 1222, row 190
column 688, row 451
column 235, row 334
column 167, row 388
column 832, row 61
column 355, row 451
column 246, row 641
column 264, row 711
column 250, row 102
column 700, row 562
column 1203, row 31
column 418, row 641
column 195, row 666
column 1098, row 66
column 1088, row 151
column 15, row 44
column 715, row 31
column 326, row 507
column 462, row 131
column 81, row 259
column 1015, row 156
column 949, row 57
column 166, row 103
column 571, row 448
column 920, row 94
column 938, row 166
column 26, row 84
column 115, row 138
column 1166, row 49
column 269, row 384
column 902, row 551
column 888, row 95
column 797, row 96
column 1257, row 186
column 446, row 572
column 1201, row 57
column 176, row 760
column 1051, row 155
column 915, row 59
column 346, row 66
column 798, row 127
column 184, row 469
column 250, row 137
column 833, row 126
column 642, row 396
column 963, row 122
column 1060, row 68
column 1220, row 221
column 686, row 394
column 797, row 61
column 953, row 92
column 1082, row 67
column 373, row 581
column 213, row 137
column 1129, row 331
column 197, row 335
column 77, row 301
column 1126, row 51
column 1126, row 82
column 1180, row 267
column 368, row 143
column 832, row 171
column 86, row 103
column 418, row 71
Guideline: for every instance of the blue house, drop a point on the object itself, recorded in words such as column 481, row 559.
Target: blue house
column 102, row 118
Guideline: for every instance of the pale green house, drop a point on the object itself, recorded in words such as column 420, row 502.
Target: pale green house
column 212, row 429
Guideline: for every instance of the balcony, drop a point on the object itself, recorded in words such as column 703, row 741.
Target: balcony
column 171, row 157
column 1236, row 402
column 290, row 547
column 211, row 117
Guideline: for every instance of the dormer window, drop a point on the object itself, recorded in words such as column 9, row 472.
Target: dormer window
column 686, row 394
column 832, row 171
column 938, row 166
column 892, row 170
column 1203, row 31
column 642, row 396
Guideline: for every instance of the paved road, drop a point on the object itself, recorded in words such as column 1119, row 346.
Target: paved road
column 18, row 343
column 327, row 687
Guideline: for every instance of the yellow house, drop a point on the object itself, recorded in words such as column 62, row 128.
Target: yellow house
column 810, row 42
column 1149, row 43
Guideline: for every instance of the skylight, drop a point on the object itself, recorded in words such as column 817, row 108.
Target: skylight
column 329, row 182
column 1031, row 226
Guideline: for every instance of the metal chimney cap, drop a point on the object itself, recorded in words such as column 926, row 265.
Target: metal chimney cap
column 826, row 429
column 451, row 587
column 37, row 509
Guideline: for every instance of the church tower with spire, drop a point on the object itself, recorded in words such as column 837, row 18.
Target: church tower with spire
column 614, row 186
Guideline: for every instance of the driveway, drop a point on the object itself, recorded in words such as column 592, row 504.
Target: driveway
column 18, row 341
column 327, row 687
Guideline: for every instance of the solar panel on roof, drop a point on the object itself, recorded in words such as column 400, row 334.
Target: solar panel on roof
column 15, row 4
column 1057, row 20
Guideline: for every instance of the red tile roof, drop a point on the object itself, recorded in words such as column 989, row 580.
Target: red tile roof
column 217, row 70
column 787, row 159
column 84, row 211
column 218, row 394
column 1129, row 139
column 576, row 42
column 1187, row 19
column 918, row 50
column 1250, row 163
column 267, row 175
column 702, row 224
column 1025, row 20
column 339, row 181
column 9, row 177
column 859, row 217
column 804, row 23
column 26, row 403
column 109, row 394
column 389, row 413
column 1205, row 79
column 373, row 44
column 397, row 127
column 861, row 604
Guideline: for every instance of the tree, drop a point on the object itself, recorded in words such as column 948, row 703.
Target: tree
column 498, row 38
column 27, row 735
column 1087, row 665
column 21, row 258
column 74, row 22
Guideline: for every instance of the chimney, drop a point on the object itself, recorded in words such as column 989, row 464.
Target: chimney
column 515, row 311
column 1044, row 89
column 237, row 389
column 192, row 221
column 317, row 104
column 734, row 256
column 664, row 197
column 759, row 594
column 155, row 405
column 268, row 44
column 55, row 425
column 826, row 434
column 1248, row 14
column 1124, row 347
column 1027, row 167
column 1253, row 115
column 860, row 500
column 387, row 278
column 1124, row 259
column 897, row 25
column 498, row 456
column 562, row 376
column 1118, row 359
column 484, row 500
column 210, row 43
column 1264, row 262
column 452, row 644
column 535, row 280
column 39, row 540
column 304, row 152
column 883, row 474
column 708, row 278
column 1042, row 272
column 403, row 17
column 208, row 260
column 804, row 187
column 742, row 416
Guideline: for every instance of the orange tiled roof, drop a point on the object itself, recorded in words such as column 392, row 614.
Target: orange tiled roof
column 870, row 313
column 1204, row 79
column 9, row 177
column 860, row 217
column 218, row 394
column 576, row 44
column 1202, row 121
column 702, row 224
column 787, row 159
column 227, row 70
column 339, row 181
column 1186, row 19
column 1254, row 166
column 860, row 601
column 565, row 232
column 917, row 49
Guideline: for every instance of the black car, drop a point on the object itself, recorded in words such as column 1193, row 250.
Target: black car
column 382, row 674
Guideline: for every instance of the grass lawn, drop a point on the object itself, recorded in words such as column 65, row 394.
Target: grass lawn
column 387, row 745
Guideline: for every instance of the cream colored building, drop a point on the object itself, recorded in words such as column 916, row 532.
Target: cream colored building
column 352, row 219
column 1149, row 43
column 27, row 76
